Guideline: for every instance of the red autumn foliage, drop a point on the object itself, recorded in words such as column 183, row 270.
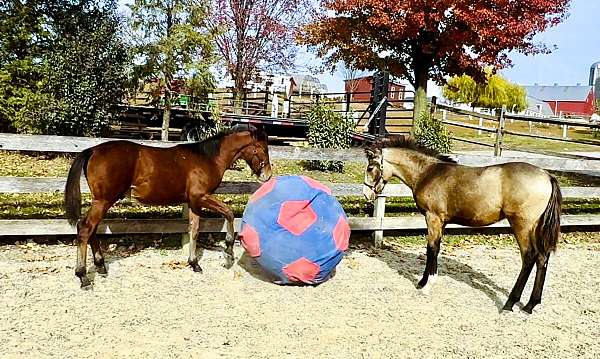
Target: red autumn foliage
column 430, row 39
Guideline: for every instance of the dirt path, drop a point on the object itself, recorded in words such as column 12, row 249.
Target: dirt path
column 149, row 306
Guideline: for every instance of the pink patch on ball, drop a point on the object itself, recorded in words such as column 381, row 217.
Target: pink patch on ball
column 316, row 184
column 250, row 240
column 263, row 190
column 301, row 270
column 296, row 216
column 341, row 234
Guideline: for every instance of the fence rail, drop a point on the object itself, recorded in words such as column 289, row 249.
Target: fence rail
column 500, row 131
column 377, row 223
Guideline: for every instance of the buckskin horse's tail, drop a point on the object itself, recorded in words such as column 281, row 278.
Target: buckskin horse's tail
column 548, row 228
column 72, row 188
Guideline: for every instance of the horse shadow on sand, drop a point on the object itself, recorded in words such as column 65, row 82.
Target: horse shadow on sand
column 410, row 264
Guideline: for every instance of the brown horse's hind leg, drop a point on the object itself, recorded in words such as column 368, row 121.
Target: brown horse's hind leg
column 211, row 203
column 85, row 230
column 97, row 254
column 434, row 235
column 194, row 229
column 540, row 277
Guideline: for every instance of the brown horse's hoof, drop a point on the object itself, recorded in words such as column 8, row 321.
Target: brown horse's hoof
column 86, row 284
column 228, row 261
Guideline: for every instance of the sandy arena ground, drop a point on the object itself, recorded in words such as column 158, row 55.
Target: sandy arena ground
column 152, row 306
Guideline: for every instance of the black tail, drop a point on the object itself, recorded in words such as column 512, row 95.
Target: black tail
column 548, row 228
column 73, row 190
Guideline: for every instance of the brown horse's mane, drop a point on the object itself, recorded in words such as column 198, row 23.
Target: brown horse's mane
column 409, row 143
column 212, row 145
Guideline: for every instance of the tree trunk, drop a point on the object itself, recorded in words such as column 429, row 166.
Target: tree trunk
column 164, row 134
column 420, row 104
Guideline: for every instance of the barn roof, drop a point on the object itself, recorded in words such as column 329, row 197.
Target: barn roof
column 533, row 103
column 559, row 93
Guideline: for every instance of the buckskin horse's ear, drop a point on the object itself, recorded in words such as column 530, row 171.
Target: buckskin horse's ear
column 370, row 152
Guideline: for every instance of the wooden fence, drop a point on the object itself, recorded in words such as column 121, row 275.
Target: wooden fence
column 499, row 129
column 378, row 223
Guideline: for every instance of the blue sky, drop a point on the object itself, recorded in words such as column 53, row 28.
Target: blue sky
column 578, row 46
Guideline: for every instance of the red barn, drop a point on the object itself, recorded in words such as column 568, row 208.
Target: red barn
column 565, row 100
column 360, row 90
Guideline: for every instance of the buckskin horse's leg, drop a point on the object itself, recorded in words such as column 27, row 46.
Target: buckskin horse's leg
column 524, row 238
column 540, row 277
column 213, row 204
column 193, row 232
column 434, row 235
column 86, row 227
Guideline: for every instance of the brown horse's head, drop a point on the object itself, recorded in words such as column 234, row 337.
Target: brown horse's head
column 375, row 178
column 256, row 154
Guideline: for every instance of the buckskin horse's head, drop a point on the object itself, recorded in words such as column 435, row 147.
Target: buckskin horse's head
column 375, row 180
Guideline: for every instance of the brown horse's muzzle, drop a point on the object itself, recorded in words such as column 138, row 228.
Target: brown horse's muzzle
column 265, row 173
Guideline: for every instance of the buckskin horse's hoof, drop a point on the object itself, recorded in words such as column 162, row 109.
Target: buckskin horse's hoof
column 196, row 267
column 101, row 270
column 528, row 309
column 508, row 307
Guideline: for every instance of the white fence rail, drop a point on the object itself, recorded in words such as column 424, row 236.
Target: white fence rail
column 378, row 223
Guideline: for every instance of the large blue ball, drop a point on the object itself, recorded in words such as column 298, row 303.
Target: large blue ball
column 295, row 229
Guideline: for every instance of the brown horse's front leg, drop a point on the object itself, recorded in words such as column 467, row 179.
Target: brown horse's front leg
column 434, row 235
column 194, row 229
column 212, row 203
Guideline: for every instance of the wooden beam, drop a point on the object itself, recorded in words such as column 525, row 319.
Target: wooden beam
column 57, row 185
column 42, row 227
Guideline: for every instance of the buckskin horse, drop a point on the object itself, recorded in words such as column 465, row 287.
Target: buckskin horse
column 446, row 192
column 184, row 173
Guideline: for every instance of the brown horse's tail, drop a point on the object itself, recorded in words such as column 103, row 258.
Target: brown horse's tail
column 548, row 228
column 72, row 188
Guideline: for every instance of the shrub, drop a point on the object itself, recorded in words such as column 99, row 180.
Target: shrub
column 432, row 133
column 328, row 129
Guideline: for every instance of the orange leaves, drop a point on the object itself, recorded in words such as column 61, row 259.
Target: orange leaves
column 444, row 36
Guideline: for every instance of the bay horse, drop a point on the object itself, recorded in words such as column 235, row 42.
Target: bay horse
column 446, row 192
column 184, row 173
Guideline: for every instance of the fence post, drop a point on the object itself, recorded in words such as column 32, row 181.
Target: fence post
column 433, row 108
column 565, row 131
column 274, row 106
column 499, row 133
column 185, row 237
column 347, row 99
column 379, row 213
column 289, row 109
column 266, row 105
column 480, row 125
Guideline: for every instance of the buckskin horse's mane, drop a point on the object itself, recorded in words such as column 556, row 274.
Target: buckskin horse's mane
column 212, row 145
column 411, row 144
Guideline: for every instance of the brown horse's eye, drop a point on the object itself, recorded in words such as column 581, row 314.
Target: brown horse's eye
column 370, row 168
